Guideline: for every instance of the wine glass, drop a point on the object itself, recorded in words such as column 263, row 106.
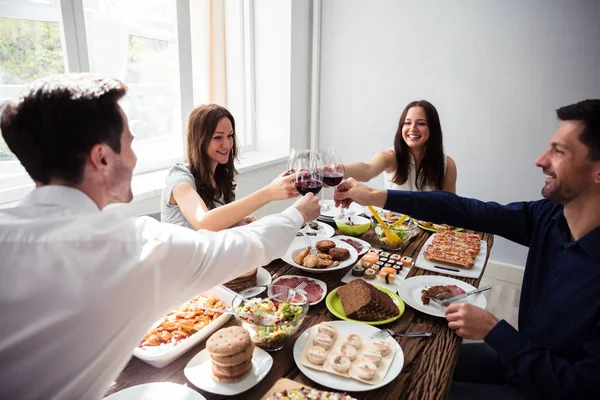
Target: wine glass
column 333, row 171
column 308, row 167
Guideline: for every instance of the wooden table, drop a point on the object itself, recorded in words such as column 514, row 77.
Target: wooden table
column 428, row 362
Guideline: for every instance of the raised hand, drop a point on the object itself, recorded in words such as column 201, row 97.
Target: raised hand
column 309, row 207
column 350, row 190
column 283, row 187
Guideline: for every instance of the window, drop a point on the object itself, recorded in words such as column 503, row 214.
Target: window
column 148, row 44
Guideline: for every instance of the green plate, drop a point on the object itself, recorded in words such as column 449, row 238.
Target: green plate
column 334, row 305
column 432, row 229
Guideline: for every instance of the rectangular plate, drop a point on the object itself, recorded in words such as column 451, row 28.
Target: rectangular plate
column 474, row 272
column 160, row 356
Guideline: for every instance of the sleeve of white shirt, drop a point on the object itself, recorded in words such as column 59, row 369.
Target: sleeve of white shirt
column 186, row 263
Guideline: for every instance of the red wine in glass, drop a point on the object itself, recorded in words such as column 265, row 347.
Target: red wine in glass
column 332, row 179
column 305, row 186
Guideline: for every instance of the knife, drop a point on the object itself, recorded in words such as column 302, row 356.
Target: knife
column 447, row 269
column 446, row 302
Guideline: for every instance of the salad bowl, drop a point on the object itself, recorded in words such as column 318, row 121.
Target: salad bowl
column 285, row 307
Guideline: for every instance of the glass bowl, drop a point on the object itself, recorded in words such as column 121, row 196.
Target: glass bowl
column 405, row 232
column 289, row 306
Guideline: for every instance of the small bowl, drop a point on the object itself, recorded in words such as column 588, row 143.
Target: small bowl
column 352, row 225
column 405, row 232
column 274, row 336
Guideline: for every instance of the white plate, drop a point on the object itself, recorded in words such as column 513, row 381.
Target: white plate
column 300, row 243
column 263, row 277
column 333, row 211
column 324, row 230
column 339, row 382
column 410, row 291
column 449, row 269
column 161, row 356
column 322, row 284
column 199, row 372
column 157, row 391
column 365, row 245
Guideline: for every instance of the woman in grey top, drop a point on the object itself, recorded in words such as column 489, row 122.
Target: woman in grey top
column 200, row 194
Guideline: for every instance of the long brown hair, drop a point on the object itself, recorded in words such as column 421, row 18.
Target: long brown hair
column 201, row 126
column 431, row 171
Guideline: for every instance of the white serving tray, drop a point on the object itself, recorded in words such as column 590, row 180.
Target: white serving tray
column 161, row 356
column 450, row 269
column 378, row 282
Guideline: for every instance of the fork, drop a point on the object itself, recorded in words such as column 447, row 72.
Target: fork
column 385, row 333
column 300, row 287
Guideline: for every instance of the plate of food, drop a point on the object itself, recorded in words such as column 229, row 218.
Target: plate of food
column 183, row 328
column 454, row 253
column 341, row 355
column 414, row 292
column 316, row 229
column 359, row 301
column 287, row 389
column 431, row 227
column 230, row 364
column 319, row 255
column 361, row 246
column 315, row 289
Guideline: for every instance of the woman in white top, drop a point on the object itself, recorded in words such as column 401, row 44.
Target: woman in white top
column 417, row 160
column 200, row 194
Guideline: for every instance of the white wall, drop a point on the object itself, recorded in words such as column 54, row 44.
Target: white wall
column 495, row 70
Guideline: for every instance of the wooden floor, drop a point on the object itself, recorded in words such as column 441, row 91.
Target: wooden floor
column 503, row 299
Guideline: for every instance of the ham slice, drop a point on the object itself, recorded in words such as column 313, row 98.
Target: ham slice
column 314, row 292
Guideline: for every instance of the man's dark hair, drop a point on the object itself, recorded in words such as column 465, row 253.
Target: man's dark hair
column 57, row 120
column 587, row 111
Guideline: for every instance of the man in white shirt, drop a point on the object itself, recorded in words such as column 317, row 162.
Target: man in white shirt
column 78, row 287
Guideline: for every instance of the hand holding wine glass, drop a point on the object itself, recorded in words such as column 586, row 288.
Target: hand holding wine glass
column 308, row 173
column 333, row 170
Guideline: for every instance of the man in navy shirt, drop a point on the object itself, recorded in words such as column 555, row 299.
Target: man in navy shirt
column 555, row 353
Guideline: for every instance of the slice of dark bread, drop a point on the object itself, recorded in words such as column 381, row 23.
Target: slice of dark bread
column 364, row 302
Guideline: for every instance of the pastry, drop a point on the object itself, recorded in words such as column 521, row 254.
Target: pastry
column 366, row 371
column 299, row 259
column 357, row 270
column 316, row 355
column 231, row 351
column 372, row 356
column 354, row 341
column 233, row 359
column 323, row 340
column 341, row 364
column 381, row 346
column 325, row 245
column 348, row 350
column 327, row 329
column 339, row 253
column 310, row 261
column 370, row 274
column 228, row 341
